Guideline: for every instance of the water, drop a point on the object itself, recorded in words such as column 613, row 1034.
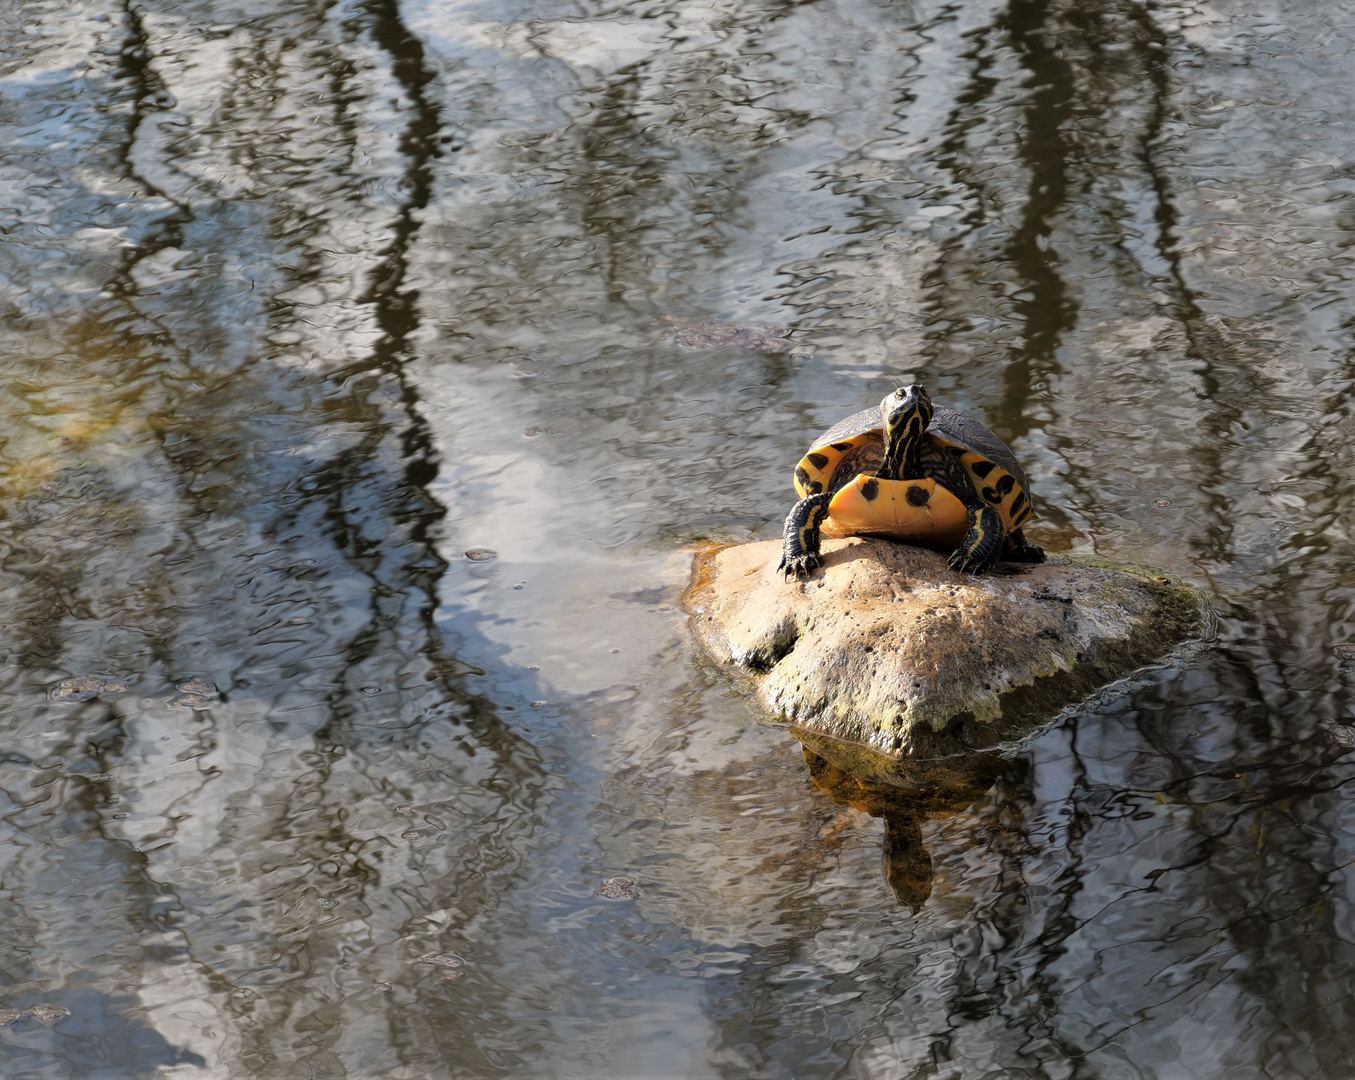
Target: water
column 302, row 302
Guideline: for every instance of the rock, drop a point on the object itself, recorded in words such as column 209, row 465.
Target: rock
column 886, row 647
column 709, row 334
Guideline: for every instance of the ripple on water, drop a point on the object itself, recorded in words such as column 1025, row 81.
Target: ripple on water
column 305, row 307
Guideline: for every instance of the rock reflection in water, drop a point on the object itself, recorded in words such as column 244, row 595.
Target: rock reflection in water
column 904, row 794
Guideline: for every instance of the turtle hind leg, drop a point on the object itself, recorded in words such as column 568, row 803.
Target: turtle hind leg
column 800, row 552
column 1021, row 550
column 981, row 547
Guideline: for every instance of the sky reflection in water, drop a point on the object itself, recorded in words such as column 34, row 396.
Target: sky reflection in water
column 303, row 302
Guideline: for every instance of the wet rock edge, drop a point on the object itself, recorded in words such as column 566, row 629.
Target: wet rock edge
column 1186, row 617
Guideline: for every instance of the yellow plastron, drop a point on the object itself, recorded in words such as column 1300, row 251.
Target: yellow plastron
column 919, row 511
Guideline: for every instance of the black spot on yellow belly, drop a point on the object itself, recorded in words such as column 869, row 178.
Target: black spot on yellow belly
column 842, row 446
column 991, row 495
column 917, row 496
column 981, row 468
column 870, row 489
column 1005, row 485
column 817, row 460
column 1018, row 504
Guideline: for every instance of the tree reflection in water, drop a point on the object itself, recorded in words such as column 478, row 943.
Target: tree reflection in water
column 302, row 301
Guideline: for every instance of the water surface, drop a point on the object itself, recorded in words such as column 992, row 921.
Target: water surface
column 301, row 302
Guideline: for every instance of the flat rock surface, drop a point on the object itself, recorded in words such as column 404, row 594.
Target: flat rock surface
column 888, row 648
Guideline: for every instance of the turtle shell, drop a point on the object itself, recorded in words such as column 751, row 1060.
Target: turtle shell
column 845, row 457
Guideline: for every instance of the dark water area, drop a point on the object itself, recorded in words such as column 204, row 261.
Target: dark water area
column 302, row 302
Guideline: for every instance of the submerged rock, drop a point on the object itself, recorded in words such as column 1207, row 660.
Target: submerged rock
column 889, row 648
column 47, row 1014
column 83, row 688
column 618, row 888
column 709, row 334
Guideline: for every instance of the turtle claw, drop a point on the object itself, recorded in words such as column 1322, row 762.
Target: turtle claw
column 800, row 552
column 970, row 561
column 800, row 566
column 1030, row 553
column 1021, row 550
column 961, row 562
column 981, row 548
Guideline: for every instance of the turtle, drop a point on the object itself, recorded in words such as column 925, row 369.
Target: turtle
column 913, row 472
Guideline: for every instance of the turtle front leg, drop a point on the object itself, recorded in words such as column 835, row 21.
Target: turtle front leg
column 982, row 544
column 800, row 554
column 1019, row 549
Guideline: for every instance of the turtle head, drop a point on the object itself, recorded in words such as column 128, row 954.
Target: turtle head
column 906, row 412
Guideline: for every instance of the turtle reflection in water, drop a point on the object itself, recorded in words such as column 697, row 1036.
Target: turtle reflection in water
column 904, row 794
column 913, row 472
